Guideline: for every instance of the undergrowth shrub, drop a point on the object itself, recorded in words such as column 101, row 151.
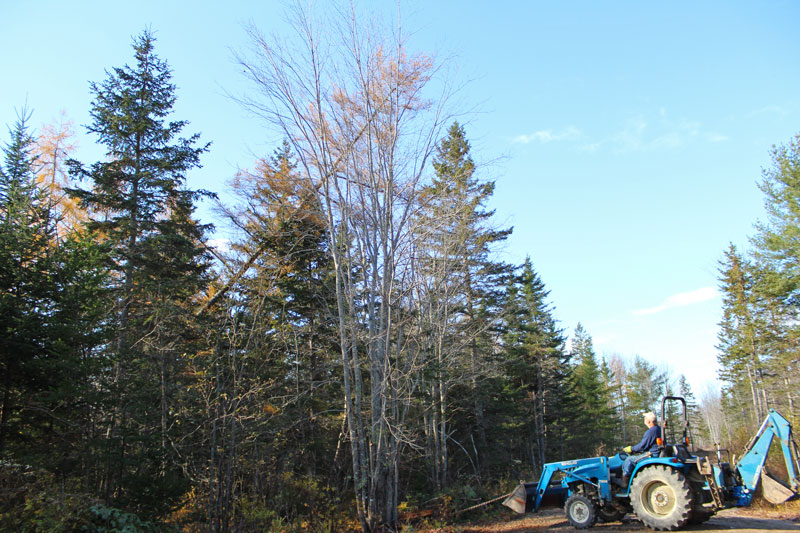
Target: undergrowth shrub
column 32, row 500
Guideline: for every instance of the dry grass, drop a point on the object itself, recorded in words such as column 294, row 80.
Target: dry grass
column 760, row 508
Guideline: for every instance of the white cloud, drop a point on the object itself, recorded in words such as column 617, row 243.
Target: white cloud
column 680, row 300
column 545, row 136
column 655, row 131
column 591, row 147
column 632, row 135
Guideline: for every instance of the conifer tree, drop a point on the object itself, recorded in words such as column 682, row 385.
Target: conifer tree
column 647, row 385
column 271, row 396
column 594, row 417
column 139, row 201
column 740, row 348
column 51, row 301
column 26, row 230
column 777, row 242
column 777, row 259
column 696, row 424
column 615, row 405
column 538, row 368
column 462, row 282
column 54, row 145
column 618, row 382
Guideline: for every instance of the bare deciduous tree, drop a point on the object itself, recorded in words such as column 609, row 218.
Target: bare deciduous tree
column 353, row 104
column 714, row 416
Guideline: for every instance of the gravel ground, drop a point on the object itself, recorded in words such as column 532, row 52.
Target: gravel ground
column 553, row 520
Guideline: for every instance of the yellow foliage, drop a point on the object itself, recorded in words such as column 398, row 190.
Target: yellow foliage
column 189, row 506
column 53, row 147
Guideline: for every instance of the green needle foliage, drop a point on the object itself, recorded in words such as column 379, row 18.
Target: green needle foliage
column 52, row 300
column 138, row 202
column 26, row 287
column 537, row 369
column 758, row 337
column 595, row 416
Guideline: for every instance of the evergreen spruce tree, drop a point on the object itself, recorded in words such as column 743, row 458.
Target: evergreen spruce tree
column 51, row 301
column 139, row 202
column 537, row 367
column 778, row 239
column 463, row 284
column 777, row 260
column 696, row 425
column 740, row 348
column 26, row 230
column 611, row 387
column 282, row 332
column 647, row 385
column 594, row 416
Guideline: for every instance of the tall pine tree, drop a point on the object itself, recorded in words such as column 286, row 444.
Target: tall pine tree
column 51, row 301
column 537, row 367
column 777, row 254
column 139, row 201
column 740, row 348
column 26, row 231
column 592, row 395
column 461, row 284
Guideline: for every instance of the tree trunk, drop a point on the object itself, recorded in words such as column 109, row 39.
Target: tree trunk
column 6, row 408
column 756, row 396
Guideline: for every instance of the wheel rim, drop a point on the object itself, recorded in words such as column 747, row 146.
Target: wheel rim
column 659, row 498
column 579, row 511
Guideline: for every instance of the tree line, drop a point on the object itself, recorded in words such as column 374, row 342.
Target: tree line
column 358, row 350
column 759, row 355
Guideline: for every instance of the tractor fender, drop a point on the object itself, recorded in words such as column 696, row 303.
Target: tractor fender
column 665, row 461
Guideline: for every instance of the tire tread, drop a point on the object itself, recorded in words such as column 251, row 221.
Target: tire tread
column 680, row 486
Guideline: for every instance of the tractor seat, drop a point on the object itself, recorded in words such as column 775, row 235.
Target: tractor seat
column 682, row 452
column 675, row 450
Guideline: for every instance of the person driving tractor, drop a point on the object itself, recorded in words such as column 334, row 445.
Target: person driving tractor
column 647, row 446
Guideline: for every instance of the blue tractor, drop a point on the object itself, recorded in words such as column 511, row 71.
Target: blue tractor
column 667, row 490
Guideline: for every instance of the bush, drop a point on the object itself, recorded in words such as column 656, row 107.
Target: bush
column 102, row 519
column 32, row 500
column 295, row 503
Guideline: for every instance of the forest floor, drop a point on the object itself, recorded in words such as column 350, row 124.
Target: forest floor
column 736, row 520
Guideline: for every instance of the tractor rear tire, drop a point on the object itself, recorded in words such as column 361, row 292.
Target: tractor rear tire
column 581, row 511
column 662, row 498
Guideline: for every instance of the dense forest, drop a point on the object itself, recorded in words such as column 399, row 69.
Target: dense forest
column 357, row 352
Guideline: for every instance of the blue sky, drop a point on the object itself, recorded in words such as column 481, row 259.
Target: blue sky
column 626, row 139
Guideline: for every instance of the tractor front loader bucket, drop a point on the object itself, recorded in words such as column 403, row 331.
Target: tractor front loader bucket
column 774, row 491
column 521, row 500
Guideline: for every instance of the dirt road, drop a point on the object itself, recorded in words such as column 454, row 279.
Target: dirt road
column 554, row 520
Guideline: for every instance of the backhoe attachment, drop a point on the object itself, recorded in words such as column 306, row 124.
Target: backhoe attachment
column 751, row 465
